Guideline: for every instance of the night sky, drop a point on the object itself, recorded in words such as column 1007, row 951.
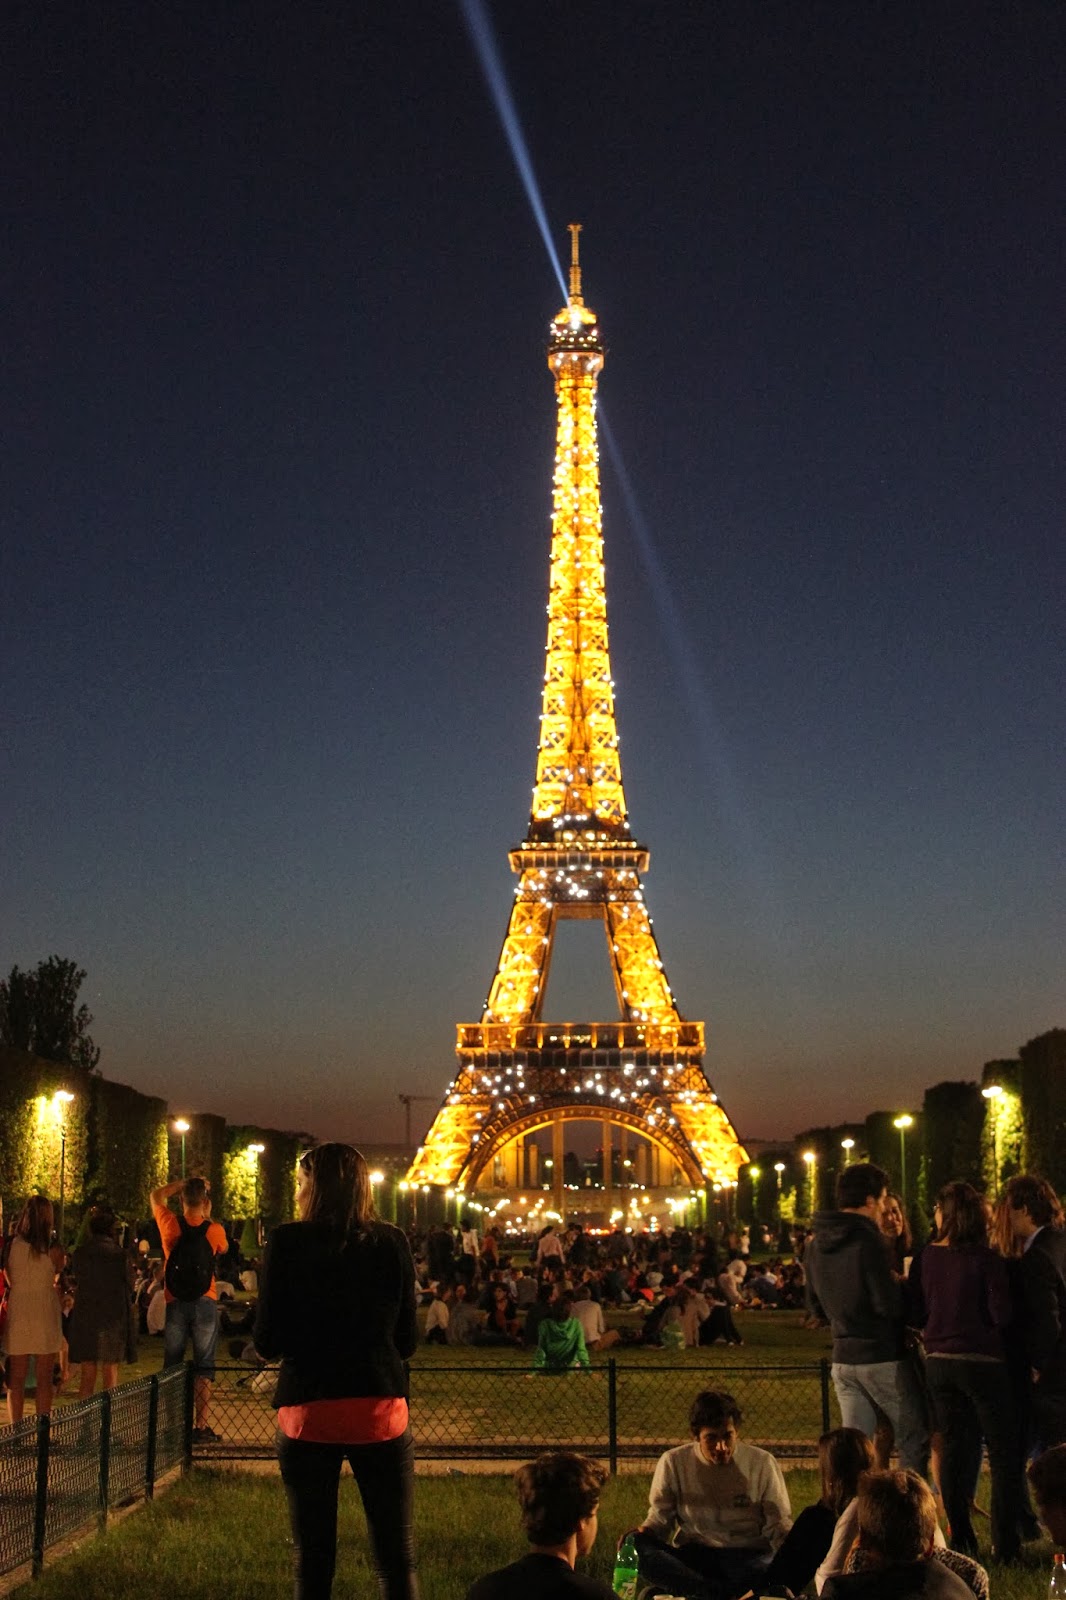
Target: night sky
column 277, row 454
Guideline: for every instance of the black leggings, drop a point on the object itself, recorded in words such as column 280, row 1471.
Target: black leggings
column 385, row 1475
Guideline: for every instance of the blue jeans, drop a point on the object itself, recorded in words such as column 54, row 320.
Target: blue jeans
column 864, row 1388
column 195, row 1319
column 698, row 1571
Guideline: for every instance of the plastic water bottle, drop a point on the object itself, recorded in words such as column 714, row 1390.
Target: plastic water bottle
column 1056, row 1588
column 624, row 1582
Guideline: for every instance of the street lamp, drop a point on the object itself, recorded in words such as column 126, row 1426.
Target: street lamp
column 779, row 1167
column 60, row 1100
column 993, row 1093
column 812, row 1179
column 903, row 1122
column 755, row 1173
column 182, row 1127
column 256, row 1150
column 847, row 1145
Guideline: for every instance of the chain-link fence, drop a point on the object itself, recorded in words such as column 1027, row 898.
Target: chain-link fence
column 58, row 1473
column 613, row 1410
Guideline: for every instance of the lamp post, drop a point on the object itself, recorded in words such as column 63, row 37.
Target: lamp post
column 812, row 1179
column 61, row 1100
column 847, row 1145
column 182, row 1127
column 255, row 1151
column 754, row 1173
column 993, row 1093
column 779, row 1167
column 903, row 1122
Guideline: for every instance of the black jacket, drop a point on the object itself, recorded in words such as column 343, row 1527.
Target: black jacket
column 342, row 1319
column 850, row 1284
column 1043, row 1280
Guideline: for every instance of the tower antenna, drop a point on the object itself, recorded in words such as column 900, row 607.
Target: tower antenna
column 575, row 264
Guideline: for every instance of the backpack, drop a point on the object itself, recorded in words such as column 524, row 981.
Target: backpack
column 191, row 1264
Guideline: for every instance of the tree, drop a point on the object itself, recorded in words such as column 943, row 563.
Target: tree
column 39, row 1013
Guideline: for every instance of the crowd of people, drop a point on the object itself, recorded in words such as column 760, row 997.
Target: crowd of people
column 519, row 1289
column 941, row 1352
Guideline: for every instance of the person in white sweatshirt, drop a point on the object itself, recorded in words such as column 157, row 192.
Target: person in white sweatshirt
column 717, row 1511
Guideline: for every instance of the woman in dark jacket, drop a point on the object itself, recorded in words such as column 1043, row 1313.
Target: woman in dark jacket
column 962, row 1301
column 337, row 1305
column 100, row 1320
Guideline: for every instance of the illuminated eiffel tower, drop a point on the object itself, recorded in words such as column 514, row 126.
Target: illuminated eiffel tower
column 641, row 1074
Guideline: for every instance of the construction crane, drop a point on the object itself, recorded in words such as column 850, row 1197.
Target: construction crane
column 407, row 1101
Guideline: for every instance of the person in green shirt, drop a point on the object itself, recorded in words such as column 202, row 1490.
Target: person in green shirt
column 560, row 1340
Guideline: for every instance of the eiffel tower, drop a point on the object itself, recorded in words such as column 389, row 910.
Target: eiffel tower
column 642, row 1074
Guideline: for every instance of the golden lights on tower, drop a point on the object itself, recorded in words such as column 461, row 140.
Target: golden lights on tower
column 578, row 860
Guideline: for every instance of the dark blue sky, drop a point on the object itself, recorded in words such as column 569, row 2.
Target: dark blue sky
column 277, row 450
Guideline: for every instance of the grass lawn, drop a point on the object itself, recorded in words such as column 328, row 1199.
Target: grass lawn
column 225, row 1533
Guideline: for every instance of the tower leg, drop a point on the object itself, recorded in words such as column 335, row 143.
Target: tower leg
column 608, row 1166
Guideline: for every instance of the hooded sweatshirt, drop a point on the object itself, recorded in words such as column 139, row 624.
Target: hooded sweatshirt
column 850, row 1282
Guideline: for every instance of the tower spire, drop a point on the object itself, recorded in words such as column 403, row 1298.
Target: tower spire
column 575, row 264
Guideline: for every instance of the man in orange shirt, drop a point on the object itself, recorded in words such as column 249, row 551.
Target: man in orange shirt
column 191, row 1242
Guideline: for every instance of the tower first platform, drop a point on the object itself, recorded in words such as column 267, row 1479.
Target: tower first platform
column 641, row 1075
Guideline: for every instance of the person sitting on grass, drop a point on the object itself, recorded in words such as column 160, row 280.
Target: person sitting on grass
column 843, row 1455
column 464, row 1321
column 589, row 1312
column 723, row 1503
column 560, row 1340
column 559, row 1496
column 894, row 1556
column 437, row 1317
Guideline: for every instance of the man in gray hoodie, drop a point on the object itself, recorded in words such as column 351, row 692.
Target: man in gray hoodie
column 850, row 1284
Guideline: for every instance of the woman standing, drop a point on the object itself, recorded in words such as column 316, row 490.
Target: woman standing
column 337, row 1305
column 100, row 1321
column 897, row 1233
column 962, row 1299
column 34, row 1318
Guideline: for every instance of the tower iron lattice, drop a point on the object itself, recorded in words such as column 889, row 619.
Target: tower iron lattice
column 642, row 1073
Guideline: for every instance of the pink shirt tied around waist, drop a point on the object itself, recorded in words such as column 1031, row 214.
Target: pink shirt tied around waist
column 369, row 1419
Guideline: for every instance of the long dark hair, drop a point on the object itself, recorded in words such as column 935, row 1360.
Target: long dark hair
column 963, row 1219
column 35, row 1224
column 339, row 1193
column 843, row 1455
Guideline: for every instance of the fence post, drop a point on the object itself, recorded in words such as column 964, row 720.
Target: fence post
column 153, row 1430
column 105, row 1455
column 823, row 1367
column 40, row 1509
column 612, row 1415
column 187, row 1416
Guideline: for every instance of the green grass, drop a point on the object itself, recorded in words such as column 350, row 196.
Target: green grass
column 217, row 1533
column 226, row 1532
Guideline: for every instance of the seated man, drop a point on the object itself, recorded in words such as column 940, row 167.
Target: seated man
column 559, row 1496
column 894, row 1558
column 598, row 1336
column 723, row 1504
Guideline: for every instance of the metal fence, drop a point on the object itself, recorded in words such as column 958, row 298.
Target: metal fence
column 614, row 1410
column 58, row 1474
column 61, row 1472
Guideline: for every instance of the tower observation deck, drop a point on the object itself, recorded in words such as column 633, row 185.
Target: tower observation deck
column 642, row 1073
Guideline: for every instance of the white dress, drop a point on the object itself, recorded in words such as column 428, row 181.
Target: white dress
column 34, row 1320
